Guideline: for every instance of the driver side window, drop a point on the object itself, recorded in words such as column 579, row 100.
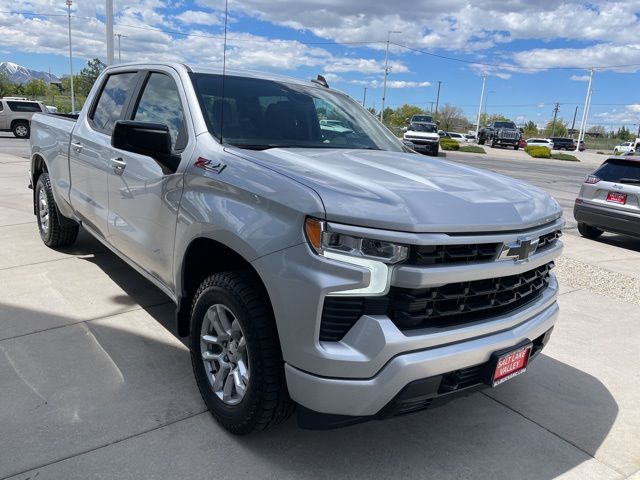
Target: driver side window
column 160, row 103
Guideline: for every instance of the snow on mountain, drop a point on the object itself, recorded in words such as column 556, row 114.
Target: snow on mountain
column 21, row 75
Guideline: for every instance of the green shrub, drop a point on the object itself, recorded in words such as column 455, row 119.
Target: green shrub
column 538, row 151
column 564, row 156
column 449, row 144
column 472, row 149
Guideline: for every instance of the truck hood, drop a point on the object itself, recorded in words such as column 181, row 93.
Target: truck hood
column 410, row 192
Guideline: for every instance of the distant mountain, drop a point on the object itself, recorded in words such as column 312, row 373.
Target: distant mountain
column 21, row 75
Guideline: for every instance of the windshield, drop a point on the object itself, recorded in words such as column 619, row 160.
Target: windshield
column 423, row 127
column 505, row 125
column 260, row 114
column 422, row 118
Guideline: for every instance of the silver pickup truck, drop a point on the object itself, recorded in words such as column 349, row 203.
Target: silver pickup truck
column 336, row 271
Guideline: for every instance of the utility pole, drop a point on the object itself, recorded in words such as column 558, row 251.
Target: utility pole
column 587, row 117
column 119, row 35
column 73, row 98
column 364, row 97
column 386, row 73
column 431, row 109
column 584, row 111
column 109, row 22
column 486, row 100
column 555, row 115
column 438, row 97
column 573, row 124
column 484, row 80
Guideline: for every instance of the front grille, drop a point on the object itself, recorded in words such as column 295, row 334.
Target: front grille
column 548, row 238
column 454, row 304
column 508, row 135
column 461, row 303
column 439, row 254
column 421, row 141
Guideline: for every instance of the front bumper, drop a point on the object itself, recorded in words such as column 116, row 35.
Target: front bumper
column 368, row 397
column 607, row 219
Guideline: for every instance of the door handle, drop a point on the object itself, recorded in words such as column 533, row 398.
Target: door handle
column 118, row 165
column 77, row 146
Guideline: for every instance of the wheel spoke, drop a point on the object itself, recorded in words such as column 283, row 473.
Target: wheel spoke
column 210, row 339
column 221, row 376
column 239, row 383
column 223, row 317
column 209, row 356
column 218, row 326
column 228, row 388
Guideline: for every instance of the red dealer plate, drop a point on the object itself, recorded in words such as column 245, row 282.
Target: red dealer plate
column 616, row 197
column 511, row 365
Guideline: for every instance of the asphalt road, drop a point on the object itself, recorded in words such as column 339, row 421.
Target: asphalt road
column 94, row 385
column 14, row 146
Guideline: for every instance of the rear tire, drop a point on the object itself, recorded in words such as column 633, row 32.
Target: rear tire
column 588, row 231
column 21, row 130
column 246, row 355
column 52, row 232
column 481, row 141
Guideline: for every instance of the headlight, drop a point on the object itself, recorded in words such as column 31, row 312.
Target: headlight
column 323, row 242
column 374, row 255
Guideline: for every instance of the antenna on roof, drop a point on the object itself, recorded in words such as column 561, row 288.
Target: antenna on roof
column 224, row 65
column 320, row 80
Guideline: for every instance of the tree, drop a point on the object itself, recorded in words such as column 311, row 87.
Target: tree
column 88, row 75
column 400, row 115
column 559, row 130
column 597, row 131
column 66, row 85
column 530, row 129
column 451, row 117
column 623, row 133
column 35, row 88
column 6, row 87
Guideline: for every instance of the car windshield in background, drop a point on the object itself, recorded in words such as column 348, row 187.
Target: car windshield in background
column 259, row 114
column 618, row 170
column 505, row 125
column 24, row 106
column 422, row 118
column 423, row 127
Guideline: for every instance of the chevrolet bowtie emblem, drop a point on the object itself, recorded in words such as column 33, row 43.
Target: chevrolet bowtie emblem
column 520, row 250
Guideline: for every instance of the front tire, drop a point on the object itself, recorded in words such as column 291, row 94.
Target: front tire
column 516, row 147
column 21, row 130
column 588, row 231
column 52, row 232
column 235, row 354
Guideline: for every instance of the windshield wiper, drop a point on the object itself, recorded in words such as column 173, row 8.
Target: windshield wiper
column 629, row 180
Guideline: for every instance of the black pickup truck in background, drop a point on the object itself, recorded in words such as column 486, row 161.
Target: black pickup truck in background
column 561, row 143
column 504, row 133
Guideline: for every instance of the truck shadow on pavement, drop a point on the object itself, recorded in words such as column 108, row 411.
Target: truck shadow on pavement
column 79, row 387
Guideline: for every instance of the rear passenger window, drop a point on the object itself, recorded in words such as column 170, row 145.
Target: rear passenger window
column 616, row 170
column 112, row 99
column 24, row 107
column 160, row 103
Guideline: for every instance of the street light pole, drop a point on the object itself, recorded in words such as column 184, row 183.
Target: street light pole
column 438, row 97
column 73, row 98
column 109, row 24
column 486, row 99
column 364, row 97
column 119, row 35
column 386, row 73
column 484, row 81
column 584, row 111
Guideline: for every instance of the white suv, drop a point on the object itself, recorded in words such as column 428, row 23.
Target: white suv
column 16, row 113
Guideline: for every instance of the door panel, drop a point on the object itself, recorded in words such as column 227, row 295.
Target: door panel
column 91, row 150
column 144, row 201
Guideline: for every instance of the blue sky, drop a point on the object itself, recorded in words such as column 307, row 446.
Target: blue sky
column 534, row 46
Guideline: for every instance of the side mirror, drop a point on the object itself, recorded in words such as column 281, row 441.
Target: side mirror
column 144, row 138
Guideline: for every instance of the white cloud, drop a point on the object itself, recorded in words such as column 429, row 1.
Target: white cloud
column 502, row 75
column 391, row 83
column 579, row 78
column 199, row 18
column 628, row 115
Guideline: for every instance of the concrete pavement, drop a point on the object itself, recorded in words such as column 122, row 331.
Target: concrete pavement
column 94, row 384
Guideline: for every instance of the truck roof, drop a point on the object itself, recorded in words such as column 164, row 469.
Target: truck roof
column 218, row 71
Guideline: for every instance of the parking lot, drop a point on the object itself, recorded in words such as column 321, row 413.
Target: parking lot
column 95, row 385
